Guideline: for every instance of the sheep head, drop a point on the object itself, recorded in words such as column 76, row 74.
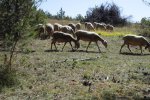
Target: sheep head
column 148, row 46
column 105, row 43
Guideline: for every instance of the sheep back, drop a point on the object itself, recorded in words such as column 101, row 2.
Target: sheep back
column 135, row 40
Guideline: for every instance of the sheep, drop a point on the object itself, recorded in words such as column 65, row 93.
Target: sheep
column 95, row 24
column 135, row 41
column 40, row 28
column 91, row 37
column 57, row 27
column 63, row 37
column 89, row 26
column 109, row 27
column 78, row 26
column 67, row 29
column 49, row 29
column 100, row 26
column 73, row 26
column 85, row 24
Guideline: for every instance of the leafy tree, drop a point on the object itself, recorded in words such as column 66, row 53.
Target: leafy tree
column 145, row 21
column 16, row 18
column 61, row 14
column 108, row 13
column 79, row 17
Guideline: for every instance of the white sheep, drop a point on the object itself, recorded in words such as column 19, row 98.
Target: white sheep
column 57, row 27
column 95, row 24
column 100, row 26
column 135, row 41
column 85, row 25
column 49, row 29
column 78, row 26
column 90, row 27
column 73, row 26
column 91, row 37
column 109, row 27
column 63, row 37
column 67, row 29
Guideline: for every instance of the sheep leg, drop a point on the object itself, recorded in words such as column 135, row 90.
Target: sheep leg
column 71, row 45
column 52, row 44
column 141, row 50
column 88, row 46
column 55, row 46
column 64, row 45
column 129, row 48
column 122, row 47
column 98, row 47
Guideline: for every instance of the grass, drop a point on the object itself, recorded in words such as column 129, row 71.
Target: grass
column 45, row 74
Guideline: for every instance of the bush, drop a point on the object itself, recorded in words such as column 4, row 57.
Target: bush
column 107, row 13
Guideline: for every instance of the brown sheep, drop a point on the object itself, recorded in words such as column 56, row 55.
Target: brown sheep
column 135, row 41
column 63, row 37
column 91, row 37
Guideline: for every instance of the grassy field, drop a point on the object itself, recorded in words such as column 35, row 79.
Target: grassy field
column 44, row 74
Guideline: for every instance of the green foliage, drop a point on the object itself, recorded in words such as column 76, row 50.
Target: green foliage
column 145, row 27
column 107, row 13
column 145, row 21
column 61, row 14
column 79, row 17
column 18, row 17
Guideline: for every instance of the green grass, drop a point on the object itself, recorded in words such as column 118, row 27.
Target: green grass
column 45, row 74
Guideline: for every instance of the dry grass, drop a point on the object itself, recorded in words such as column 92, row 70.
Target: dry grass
column 63, row 22
column 46, row 74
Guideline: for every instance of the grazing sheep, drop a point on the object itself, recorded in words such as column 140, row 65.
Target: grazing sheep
column 49, row 29
column 90, row 27
column 135, row 41
column 109, row 27
column 67, row 29
column 40, row 28
column 95, row 24
column 78, row 26
column 57, row 27
column 85, row 24
column 91, row 37
column 63, row 37
column 100, row 26
column 73, row 26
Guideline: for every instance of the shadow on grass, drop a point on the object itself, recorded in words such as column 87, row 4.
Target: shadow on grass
column 73, row 51
column 51, row 50
column 134, row 54
column 88, row 51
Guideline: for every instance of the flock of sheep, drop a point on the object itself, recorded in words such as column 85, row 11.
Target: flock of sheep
column 73, row 33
